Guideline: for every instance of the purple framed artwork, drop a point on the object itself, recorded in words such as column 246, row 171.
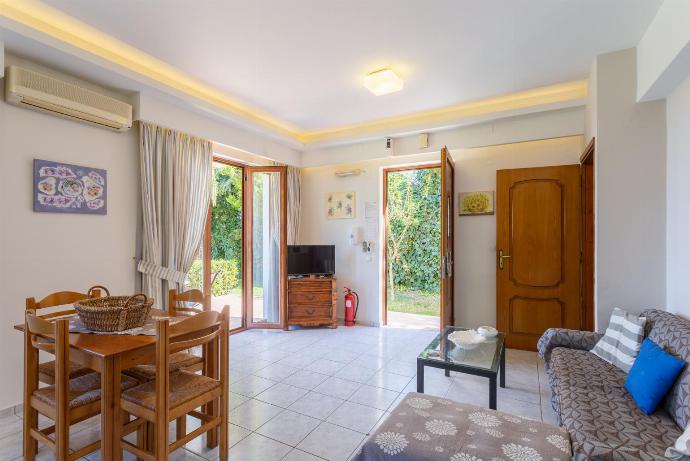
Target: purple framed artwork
column 64, row 188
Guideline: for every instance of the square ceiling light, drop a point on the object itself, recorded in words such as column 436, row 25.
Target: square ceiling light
column 383, row 81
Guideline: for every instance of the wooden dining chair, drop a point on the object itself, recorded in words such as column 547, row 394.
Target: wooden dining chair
column 182, row 360
column 174, row 395
column 46, row 370
column 67, row 401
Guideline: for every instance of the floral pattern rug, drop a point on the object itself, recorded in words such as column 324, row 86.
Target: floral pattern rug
column 426, row 428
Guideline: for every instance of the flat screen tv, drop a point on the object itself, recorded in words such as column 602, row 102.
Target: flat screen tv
column 311, row 260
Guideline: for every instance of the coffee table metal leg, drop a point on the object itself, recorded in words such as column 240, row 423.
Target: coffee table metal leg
column 503, row 366
column 420, row 377
column 492, row 392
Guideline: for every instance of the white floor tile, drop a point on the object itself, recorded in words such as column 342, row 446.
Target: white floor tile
column 325, row 366
column 373, row 396
column 253, row 414
column 389, row 381
column 251, row 385
column 299, row 455
column 276, row 372
column 331, row 442
column 316, row 405
column 354, row 416
column 336, row 387
column 258, row 448
column 289, row 427
column 281, row 395
column 305, row 379
column 356, row 373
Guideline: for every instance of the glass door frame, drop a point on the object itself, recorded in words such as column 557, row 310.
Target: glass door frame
column 206, row 284
column 247, row 246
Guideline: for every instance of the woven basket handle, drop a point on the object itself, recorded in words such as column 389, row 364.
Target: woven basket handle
column 122, row 321
column 133, row 297
column 95, row 287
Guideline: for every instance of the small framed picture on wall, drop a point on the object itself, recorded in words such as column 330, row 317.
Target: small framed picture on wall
column 66, row 188
column 476, row 203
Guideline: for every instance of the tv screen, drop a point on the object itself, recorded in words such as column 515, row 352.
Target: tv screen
column 311, row 259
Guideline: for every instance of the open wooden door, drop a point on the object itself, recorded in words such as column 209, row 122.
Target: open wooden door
column 447, row 234
column 265, row 240
column 588, row 228
column 538, row 252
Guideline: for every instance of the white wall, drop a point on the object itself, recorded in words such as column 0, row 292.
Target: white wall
column 678, row 200
column 475, row 236
column 630, row 191
column 43, row 252
column 663, row 54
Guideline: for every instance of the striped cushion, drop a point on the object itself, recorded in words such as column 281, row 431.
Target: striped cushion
column 621, row 343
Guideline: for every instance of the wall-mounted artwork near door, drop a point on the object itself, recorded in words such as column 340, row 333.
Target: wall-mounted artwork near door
column 476, row 203
column 340, row 205
column 66, row 188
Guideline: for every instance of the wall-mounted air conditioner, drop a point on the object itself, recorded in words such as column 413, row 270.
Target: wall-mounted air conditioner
column 34, row 90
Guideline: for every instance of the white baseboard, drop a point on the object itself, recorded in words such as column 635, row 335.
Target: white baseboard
column 17, row 409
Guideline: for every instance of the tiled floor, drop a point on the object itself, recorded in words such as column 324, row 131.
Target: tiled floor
column 315, row 394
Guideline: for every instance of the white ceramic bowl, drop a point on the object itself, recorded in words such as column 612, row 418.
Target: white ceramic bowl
column 487, row 331
column 467, row 339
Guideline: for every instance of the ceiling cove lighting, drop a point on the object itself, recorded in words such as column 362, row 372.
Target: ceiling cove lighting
column 382, row 82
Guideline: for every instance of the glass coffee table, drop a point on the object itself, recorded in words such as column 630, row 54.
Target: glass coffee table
column 484, row 360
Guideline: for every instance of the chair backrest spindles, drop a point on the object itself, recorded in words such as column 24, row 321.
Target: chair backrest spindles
column 178, row 303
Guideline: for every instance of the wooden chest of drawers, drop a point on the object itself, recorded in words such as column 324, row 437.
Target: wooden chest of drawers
column 312, row 301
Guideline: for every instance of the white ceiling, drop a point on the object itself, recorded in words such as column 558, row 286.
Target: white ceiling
column 302, row 61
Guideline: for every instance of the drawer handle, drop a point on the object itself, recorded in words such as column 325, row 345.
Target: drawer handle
column 309, row 297
column 310, row 311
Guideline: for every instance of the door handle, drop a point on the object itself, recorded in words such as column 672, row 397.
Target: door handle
column 501, row 257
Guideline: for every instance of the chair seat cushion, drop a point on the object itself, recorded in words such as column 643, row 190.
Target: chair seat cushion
column 82, row 390
column 427, row 428
column 178, row 361
column 75, row 370
column 183, row 387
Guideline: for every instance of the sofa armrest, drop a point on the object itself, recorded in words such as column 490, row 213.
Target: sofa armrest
column 563, row 337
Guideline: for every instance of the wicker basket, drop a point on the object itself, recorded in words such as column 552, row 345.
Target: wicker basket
column 114, row 313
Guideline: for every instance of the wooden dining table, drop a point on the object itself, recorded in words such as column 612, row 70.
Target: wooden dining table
column 109, row 354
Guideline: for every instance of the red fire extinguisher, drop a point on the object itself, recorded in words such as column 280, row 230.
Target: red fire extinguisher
column 351, row 307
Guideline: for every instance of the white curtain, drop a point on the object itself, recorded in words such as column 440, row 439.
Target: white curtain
column 176, row 172
column 294, row 203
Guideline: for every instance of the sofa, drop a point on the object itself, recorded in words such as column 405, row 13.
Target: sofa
column 592, row 404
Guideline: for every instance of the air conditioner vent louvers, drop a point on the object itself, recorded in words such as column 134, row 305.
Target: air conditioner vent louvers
column 78, row 94
column 32, row 89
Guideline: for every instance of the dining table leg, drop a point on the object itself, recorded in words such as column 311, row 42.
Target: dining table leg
column 110, row 410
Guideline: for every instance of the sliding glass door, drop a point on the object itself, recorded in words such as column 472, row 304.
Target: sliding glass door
column 242, row 263
column 265, row 234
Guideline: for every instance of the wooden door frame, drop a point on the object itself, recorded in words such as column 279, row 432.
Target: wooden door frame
column 384, row 244
column 206, row 284
column 447, row 219
column 588, row 223
column 247, row 280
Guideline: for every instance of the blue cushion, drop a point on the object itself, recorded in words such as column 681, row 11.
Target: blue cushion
column 652, row 376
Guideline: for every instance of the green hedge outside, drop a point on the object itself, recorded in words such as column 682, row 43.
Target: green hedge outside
column 226, row 280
